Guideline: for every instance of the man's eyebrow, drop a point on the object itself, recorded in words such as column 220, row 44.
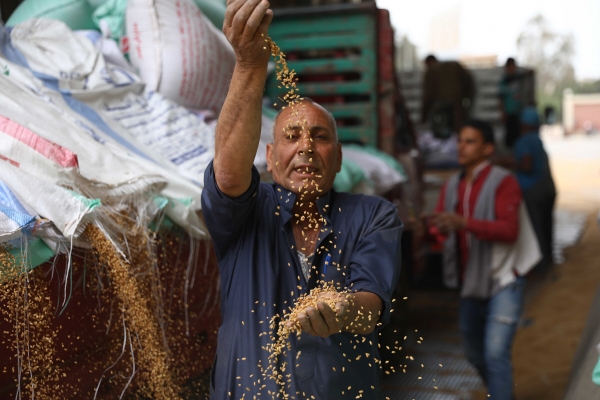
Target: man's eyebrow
column 312, row 129
column 320, row 128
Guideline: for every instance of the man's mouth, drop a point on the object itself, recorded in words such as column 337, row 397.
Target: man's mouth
column 306, row 169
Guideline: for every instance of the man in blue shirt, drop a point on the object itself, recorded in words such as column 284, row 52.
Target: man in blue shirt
column 275, row 242
column 510, row 92
column 535, row 179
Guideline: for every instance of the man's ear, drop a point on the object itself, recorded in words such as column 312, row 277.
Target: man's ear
column 269, row 155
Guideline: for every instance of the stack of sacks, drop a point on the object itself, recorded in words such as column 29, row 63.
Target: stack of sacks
column 85, row 141
column 87, row 14
column 369, row 171
column 176, row 47
column 114, row 159
column 117, row 140
column 179, row 52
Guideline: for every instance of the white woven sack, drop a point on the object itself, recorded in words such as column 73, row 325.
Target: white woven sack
column 110, row 169
column 378, row 171
column 179, row 52
column 69, row 212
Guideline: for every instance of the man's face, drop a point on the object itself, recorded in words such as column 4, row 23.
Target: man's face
column 472, row 149
column 305, row 154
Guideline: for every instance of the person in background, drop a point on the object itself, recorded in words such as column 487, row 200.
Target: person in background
column 478, row 208
column 448, row 93
column 535, row 179
column 511, row 101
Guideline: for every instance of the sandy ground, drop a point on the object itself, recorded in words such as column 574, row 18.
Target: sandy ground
column 558, row 304
column 557, row 312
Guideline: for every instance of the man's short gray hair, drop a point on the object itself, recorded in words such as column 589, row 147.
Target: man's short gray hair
column 310, row 101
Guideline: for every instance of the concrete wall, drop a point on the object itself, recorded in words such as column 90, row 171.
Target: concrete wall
column 581, row 112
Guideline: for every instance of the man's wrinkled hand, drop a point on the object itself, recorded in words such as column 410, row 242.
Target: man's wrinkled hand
column 246, row 27
column 323, row 321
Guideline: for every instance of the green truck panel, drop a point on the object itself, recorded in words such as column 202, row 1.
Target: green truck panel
column 334, row 54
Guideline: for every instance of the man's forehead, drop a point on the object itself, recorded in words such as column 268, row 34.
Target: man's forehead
column 470, row 132
column 304, row 115
column 297, row 113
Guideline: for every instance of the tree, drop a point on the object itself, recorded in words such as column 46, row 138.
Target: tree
column 550, row 54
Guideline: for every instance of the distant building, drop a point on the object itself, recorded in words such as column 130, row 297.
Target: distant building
column 581, row 112
column 407, row 58
column 479, row 62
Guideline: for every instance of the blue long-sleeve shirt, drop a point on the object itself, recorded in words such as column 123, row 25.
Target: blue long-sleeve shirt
column 531, row 144
column 261, row 276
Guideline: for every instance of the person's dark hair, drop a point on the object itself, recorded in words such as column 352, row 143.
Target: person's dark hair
column 486, row 130
column 510, row 61
column 430, row 58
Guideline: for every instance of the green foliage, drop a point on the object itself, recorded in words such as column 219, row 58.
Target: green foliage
column 550, row 54
column 554, row 99
column 586, row 87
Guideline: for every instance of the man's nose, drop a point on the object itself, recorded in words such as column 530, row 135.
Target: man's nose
column 305, row 145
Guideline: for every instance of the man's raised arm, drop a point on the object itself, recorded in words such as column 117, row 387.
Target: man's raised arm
column 238, row 129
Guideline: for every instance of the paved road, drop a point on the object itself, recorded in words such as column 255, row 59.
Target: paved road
column 575, row 163
column 577, row 147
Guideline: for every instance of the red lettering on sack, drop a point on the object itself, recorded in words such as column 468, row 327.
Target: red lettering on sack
column 125, row 44
column 138, row 40
column 13, row 162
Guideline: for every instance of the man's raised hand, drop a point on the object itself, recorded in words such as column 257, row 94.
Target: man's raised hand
column 246, row 26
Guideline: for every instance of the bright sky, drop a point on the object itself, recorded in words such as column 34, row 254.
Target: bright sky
column 492, row 27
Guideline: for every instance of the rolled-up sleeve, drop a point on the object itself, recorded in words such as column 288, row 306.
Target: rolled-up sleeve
column 375, row 265
column 226, row 216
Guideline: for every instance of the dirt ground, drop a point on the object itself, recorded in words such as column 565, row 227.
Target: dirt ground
column 557, row 312
column 558, row 304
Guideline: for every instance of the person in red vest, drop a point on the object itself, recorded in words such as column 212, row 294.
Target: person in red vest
column 477, row 208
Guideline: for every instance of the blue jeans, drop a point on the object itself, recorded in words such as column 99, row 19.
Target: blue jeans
column 488, row 328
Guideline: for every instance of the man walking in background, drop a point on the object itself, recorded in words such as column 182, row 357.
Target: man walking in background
column 511, row 93
column 477, row 219
column 535, row 179
column 448, row 93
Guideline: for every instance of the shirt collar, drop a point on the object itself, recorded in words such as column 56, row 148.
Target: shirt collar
column 478, row 170
column 286, row 200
